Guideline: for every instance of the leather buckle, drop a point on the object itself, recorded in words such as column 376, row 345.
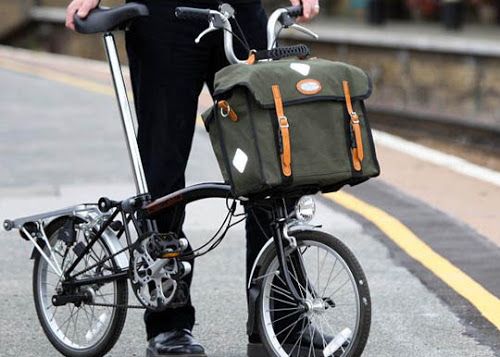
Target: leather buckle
column 354, row 118
column 225, row 110
column 284, row 122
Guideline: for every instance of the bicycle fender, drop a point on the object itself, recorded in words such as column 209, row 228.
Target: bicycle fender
column 270, row 246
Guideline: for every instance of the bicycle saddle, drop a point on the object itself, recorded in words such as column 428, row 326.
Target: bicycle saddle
column 104, row 20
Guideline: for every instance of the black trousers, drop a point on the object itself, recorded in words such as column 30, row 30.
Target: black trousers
column 168, row 72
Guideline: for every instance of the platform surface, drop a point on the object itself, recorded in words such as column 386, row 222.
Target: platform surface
column 61, row 143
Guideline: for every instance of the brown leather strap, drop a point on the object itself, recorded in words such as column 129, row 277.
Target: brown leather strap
column 227, row 111
column 357, row 151
column 286, row 154
column 251, row 58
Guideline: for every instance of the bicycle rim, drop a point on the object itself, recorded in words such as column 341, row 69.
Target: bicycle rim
column 77, row 328
column 330, row 290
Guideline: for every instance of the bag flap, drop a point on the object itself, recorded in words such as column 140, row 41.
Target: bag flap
column 300, row 81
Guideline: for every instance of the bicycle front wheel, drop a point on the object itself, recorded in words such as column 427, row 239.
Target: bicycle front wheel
column 335, row 319
column 79, row 328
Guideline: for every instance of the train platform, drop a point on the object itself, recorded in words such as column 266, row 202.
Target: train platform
column 426, row 231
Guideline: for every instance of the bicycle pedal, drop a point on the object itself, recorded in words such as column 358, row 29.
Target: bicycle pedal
column 170, row 255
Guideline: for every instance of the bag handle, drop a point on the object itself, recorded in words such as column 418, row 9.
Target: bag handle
column 286, row 152
column 357, row 150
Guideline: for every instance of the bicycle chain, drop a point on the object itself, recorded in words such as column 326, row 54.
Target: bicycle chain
column 118, row 305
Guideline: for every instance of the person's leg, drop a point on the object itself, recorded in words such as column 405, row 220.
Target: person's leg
column 167, row 75
column 253, row 21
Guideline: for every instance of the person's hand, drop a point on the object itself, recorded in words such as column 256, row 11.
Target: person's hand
column 80, row 7
column 311, row 9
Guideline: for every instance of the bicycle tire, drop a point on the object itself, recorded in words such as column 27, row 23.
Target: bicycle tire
column 117, row 320
column 358, row 341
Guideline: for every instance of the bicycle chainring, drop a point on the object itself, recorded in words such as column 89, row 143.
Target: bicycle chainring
column 151, row 279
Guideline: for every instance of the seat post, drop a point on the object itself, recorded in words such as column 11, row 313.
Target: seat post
column 126, row 114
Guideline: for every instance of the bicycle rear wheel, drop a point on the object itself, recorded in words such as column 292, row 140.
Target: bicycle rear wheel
column 337, row 315
column 79, row 329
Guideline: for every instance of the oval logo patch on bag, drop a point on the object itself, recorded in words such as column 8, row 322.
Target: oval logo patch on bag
column 309, row 86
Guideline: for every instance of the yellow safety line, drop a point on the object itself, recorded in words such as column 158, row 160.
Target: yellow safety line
column 55, row 76
column 487, row 303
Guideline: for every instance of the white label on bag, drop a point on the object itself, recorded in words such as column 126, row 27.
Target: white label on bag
column 302, row 68
column 240, row 160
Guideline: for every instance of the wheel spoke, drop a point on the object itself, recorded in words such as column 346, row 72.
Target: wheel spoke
column 292, row 325
column 65, row 321
column 322, row 334
column 282, row 292
column 282, row 309
column 311, row 343
column 76, row 323
column 329, row 277
column 284, row 317
column 55, row 310
column 282, row 301
column 301, row 288
column 332, row 331
column 340, row 287
column 301, row 333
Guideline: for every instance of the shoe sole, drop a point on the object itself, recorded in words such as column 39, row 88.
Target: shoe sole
column 258, row 350
column 150, row 353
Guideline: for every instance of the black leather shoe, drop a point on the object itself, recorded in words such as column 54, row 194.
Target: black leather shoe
column 175, row 343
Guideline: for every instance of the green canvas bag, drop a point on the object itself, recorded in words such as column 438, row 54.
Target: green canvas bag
column 288, row 125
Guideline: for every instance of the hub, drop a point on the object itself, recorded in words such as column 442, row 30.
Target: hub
column 86, row 296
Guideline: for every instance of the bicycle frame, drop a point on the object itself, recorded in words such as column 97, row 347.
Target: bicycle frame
column 126, row 114
column 149, row 209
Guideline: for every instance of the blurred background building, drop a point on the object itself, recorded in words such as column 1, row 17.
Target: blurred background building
column 435, row 64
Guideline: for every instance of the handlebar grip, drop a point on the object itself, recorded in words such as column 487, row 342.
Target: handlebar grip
column 294, row 11
column 301, row 51
column 192, row 13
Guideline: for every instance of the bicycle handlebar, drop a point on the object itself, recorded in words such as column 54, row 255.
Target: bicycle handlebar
column 191, row 13
column 294, row 11
column 220, row 20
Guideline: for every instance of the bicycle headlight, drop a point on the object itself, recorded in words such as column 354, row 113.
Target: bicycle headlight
column 305, row 208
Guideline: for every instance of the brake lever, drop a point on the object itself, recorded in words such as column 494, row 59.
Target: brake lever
column 209, row 29
column 305, row 31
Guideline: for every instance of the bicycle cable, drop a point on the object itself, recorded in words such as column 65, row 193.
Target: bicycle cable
column 219, row 236
column 277, row 36
column 247, row 47
column 246, row 44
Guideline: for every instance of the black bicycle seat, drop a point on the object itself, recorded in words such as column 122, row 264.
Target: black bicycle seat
column 105, row 20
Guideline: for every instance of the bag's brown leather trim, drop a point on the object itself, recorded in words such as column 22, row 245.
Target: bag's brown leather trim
column 357, row 151
column 286, row 154
column 227, row 111
column 251, row 58
column 315, row 83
